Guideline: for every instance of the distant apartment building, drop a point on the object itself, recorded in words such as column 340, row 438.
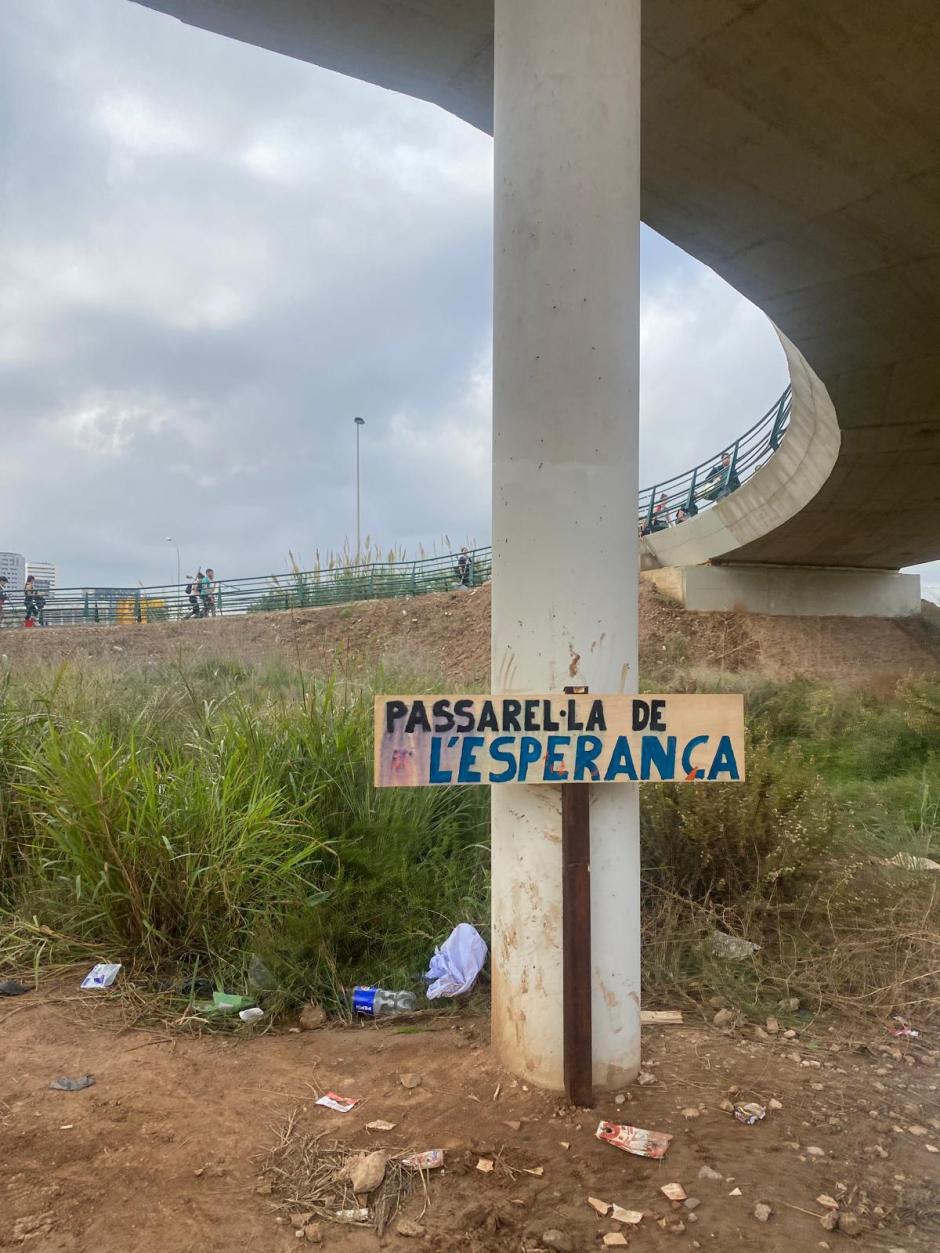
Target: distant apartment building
column 46, row 575
column 14, row 567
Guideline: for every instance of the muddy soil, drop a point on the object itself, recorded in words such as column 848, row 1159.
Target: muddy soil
column 164, row 1153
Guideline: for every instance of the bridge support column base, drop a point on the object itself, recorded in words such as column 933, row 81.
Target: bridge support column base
column 800, row 591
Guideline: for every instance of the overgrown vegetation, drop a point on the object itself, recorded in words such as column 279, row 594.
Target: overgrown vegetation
column 181, row 820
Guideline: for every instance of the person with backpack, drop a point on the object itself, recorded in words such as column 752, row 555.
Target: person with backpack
column 192, row 591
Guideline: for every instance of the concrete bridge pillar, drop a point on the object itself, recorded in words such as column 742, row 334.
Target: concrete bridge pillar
column 565, row 430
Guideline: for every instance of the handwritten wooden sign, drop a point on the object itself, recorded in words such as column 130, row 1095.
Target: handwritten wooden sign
column 427, row 740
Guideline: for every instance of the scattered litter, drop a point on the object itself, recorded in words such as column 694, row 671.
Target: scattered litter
column 430, row 1159
column 379, row 1124
column 230, row 1002
column 65, row 1084
column 538, row 1171
column 365, row 1173
column 789, row 1004
column 749, row 1113
column 352, row 1215
column 410, row 1081
column 690, row 1111
column 827, row 1202
column 260, row 978
column 674, row 1191
column 735, row 1192
column 903, row 1029
column 565, row 1144
column 485, row 1165
column 615, row 1239
column 661, row 1017
column 342, row 1104
column 644, row 1078
column 10, row 987
column 675, row 1226
column 773, row 1103
column 513, row 1124
column 456, row 964
column 629, row 1216
column 917, row 1130
column 762, row 1212
column 599, row 1206
column 712, row 1175
column 815, row 1151
column 379, row 1002
column 101, row 976
column 496, row 1091
column 634, row 1140
column 907, row 861
column 730, row 947
column 251, row 1015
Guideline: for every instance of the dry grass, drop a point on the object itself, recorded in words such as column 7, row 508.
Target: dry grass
column 308, row 1176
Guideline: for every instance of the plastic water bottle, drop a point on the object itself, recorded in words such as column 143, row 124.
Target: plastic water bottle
column 374, row 1002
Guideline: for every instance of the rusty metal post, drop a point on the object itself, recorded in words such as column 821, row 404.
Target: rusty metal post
column 576, row 939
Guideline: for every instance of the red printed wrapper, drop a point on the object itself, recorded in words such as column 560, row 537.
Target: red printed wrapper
column 634, row 1139
column 342, row 1104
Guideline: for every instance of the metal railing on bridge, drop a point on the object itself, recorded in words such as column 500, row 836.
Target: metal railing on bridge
column 661, row 505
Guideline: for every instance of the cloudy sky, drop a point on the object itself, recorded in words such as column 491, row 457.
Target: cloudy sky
column 213, row 257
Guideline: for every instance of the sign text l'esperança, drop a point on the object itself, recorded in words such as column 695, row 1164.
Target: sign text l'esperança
column 425, row 740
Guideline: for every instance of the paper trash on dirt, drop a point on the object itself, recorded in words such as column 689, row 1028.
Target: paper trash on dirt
column 64, row 1084
column 730, row 947
column 749, row 1113
column 630, row 1216
column 101, row 976
column 907, row 861
column 379, row 1124
column 634, row 1139
column 342, row 1104
column 903, row 1029
column 430, row 1159
column 352, row 1215
column 251, row 1015
column 674, row 1191
column 456, row 964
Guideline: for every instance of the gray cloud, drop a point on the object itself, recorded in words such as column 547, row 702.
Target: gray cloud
column 213, row 257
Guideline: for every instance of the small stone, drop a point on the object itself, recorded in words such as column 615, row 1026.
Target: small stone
column 917, row 1130
column 405, row 1227
column 772, row 1026
column 711, row 1175
column 410, row 1081
column 789, row 1034
column 313, row 1233
column 829, row 1220
column 760, row 1034
column 726, row 1105
column 723, row 1018
column 675, row 1226
column 312, row 1017
column 815, row 1151
column 691, row 1202
column 300, row 1219
column 789, row 1004
column 850, row 1224
column 644, row 1078
column 773, row 1103
column 827, row 1202
column 513, row 1124
column 367, row 1172
column 762, row 1212
column 557, row 1240
column 620, row 1099
column 691, row 1112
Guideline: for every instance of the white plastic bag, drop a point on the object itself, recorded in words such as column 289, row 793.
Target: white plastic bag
column 456, row 964
column 101, row 976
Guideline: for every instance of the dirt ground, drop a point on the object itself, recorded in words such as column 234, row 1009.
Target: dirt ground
column 447, row 633
column 165, row 1152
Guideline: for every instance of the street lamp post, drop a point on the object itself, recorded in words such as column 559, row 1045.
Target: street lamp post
column 360, row 422
column 171, row 540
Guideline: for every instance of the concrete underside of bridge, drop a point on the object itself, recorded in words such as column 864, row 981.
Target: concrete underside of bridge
column 791, row 145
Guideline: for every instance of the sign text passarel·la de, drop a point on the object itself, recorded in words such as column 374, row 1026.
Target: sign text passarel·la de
column 423, row 740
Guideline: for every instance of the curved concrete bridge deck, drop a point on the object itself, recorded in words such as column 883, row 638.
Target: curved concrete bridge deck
column 794, row 147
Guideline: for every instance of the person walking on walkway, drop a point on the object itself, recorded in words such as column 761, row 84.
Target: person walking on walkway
column 192, row 592
column 33, row 604
column 207, row 592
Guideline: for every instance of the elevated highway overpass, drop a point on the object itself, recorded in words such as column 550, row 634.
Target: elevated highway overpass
column 794, row 147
